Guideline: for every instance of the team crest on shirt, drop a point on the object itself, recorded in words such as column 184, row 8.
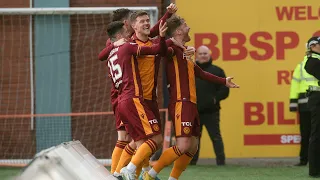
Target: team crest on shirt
column 156, row 127
column 186, row 130
column 142, row 115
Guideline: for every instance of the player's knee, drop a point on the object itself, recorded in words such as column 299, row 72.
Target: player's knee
column 184, row 144
column 158, row 139
column 194, row 149
column 139, row 143
column 132, row 144
column 184, row 148
column 195, row 144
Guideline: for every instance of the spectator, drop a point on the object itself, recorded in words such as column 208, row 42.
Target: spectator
column 300, row 83
column 312, row 67
column 208, row 100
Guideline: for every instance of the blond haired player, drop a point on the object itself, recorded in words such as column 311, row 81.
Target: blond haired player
column 181, row 72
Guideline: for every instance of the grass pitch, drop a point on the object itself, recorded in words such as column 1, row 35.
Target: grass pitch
column 208, row 172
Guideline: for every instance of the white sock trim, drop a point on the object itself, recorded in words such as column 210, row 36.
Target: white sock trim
column 172, row 178
column 146, row 169
column 152, row 173
column 131, row 167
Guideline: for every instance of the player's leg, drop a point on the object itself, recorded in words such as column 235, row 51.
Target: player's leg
column 146, row 149
column 196, row 155
column 153, row 106
column 143, row 167
column 146, row 165
column 183, row 161
column 168, row 156
column 139, row 169
column 146, row 133
column 184, row 118
column 125, row 157
column 123, row 140
column 128, row 152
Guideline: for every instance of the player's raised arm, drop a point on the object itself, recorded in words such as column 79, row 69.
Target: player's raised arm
column 171, row 9
column 104, row 54
column 160, row 48
column 171, row 50
column 214, row 79
column 207, row 76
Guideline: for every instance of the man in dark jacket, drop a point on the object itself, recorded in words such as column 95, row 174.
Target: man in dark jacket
column 209, row 96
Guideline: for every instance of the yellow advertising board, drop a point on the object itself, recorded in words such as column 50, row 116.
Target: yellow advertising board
column 259, row 43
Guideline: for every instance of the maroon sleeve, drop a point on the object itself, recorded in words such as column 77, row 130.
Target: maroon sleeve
column 160, row 48
column 104, row 54
column 155, row 29
column 108, row 42
column 169, row 42
column 170, row 51
column 207, row 76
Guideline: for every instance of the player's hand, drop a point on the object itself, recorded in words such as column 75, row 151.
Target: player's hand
column 162, row 29
column 190, row 51
column 231, row 84
column 119, row 42
column 172, row 8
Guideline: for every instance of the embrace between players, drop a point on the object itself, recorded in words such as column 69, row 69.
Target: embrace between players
column 133, row 59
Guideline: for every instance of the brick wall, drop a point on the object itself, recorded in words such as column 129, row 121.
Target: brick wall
column 90, row 88
column 16, row 137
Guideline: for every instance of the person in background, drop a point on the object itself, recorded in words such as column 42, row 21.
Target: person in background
column 300, row 82
column 312, row 67
column 209, row 96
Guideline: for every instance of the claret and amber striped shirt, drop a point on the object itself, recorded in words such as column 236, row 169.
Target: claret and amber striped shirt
column 181, row 75
column 148, row 66
column 124, row 70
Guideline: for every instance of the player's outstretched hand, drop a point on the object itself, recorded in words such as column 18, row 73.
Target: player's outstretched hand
column 162, row 29
column 120, row 42
column 231, row 84
column 172, row 8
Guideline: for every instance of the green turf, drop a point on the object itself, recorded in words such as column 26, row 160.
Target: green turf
column 216, row 173
column 8, row 173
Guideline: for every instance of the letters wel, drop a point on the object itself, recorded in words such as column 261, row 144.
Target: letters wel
column 297, row 13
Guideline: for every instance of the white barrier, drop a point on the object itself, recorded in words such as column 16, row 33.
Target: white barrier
column 67, row 161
